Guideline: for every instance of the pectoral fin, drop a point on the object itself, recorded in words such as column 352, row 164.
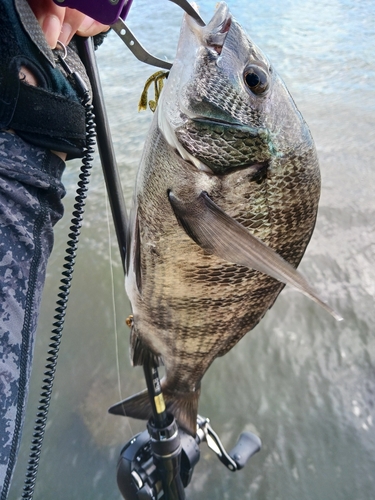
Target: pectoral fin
column 218, row 233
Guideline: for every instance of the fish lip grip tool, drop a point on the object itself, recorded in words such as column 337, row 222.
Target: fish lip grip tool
column 109, row 11
column 103, row 11
column 114, row 12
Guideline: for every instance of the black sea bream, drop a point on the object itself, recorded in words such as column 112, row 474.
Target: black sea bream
column 229, row 171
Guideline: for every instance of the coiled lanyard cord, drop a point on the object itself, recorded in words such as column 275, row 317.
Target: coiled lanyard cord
column 65, row 284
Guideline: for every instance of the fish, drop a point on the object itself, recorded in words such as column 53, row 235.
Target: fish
column 225, row 203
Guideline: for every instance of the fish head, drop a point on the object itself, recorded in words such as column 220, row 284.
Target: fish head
column 224, row 106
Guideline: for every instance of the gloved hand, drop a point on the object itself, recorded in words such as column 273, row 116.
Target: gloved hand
column 36, row 99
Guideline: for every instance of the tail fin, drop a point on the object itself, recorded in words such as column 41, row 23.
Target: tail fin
column 184, row 408
column 182, row 405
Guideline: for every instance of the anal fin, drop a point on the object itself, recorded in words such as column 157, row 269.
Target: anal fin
column 137, row 406
column 182, row 405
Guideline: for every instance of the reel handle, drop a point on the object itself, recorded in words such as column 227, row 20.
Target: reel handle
column 247, row 445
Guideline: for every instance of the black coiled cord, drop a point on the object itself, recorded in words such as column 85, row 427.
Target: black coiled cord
column 63, row 295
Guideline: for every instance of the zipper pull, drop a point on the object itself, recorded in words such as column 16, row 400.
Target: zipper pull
column 76, row 78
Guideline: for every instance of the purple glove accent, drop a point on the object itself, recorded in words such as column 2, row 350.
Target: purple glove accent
column 103, row 11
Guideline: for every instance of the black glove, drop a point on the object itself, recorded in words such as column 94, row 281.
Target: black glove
column 49, row 115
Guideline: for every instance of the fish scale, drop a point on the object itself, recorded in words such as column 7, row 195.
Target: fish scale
column 225, row 204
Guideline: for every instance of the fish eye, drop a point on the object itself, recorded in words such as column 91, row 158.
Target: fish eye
column 256, row 79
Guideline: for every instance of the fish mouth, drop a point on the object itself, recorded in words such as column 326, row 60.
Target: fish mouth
column 213, row 35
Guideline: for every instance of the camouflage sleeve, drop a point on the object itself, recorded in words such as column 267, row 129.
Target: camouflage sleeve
column 30, row 204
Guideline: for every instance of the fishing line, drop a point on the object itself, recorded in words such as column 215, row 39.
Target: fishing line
column 117, row 351
column 113, row 296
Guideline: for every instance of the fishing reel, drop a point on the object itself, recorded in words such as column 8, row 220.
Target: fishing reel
column 158, row 457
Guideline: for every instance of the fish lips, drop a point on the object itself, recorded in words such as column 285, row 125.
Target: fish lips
column 224, row 146
column 214, row 34
column 194, row 38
